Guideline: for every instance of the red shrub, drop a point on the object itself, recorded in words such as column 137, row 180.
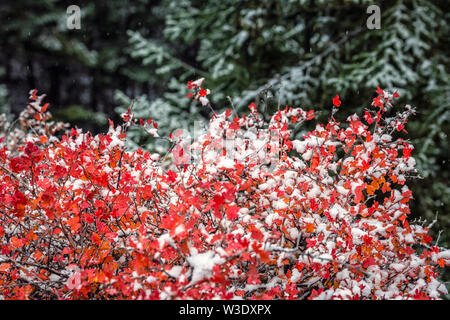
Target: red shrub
column 245, row 211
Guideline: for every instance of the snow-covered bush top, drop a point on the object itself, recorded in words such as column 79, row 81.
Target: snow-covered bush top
column 244, row 212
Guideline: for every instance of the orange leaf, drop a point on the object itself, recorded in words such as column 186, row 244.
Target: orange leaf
column 37, row 255
column 74, row 224
column 16, row 242
column 240, row 293
column 5, row 267
column 31, row 235
column 315, row 163
column 371, row 189
column 309, row 227
column 43, row 139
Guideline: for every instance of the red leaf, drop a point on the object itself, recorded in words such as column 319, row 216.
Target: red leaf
column 172, row 176
column 368, row 262
column 232, row 212
column 202, row 93
column 359, row 197
column 33, row 96
column 380, row 91
column 256, row 233
column 336, row 101
column 44, row 107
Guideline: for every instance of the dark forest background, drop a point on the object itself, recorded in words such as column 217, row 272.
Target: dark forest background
column 300, row 53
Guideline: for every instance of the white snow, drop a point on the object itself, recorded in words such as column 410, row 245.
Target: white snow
column 202, row 264
column 226, row 163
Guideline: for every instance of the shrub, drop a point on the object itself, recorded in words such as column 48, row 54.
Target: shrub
column 243, row 212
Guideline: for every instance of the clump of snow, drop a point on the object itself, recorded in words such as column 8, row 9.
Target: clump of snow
column 226, row 163
column 202, row 264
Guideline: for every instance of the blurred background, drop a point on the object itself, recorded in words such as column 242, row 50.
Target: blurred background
column 293, row 52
